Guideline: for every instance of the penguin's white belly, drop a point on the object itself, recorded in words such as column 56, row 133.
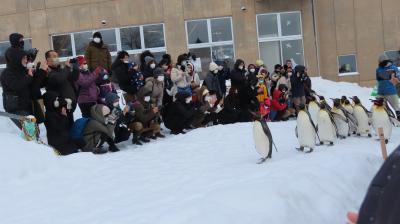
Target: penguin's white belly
column 313, row 109
column 261, row 140
column 326, row 130
column 362, row 120
column 380, row 119
column 305, row 131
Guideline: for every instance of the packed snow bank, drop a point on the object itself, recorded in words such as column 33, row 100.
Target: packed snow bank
column 206, row 176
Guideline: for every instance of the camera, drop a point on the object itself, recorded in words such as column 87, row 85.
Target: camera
column 243, row 8
column 73, row 61
column 31, row 54
column 104, row 22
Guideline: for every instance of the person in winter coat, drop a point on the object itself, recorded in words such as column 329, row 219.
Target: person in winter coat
column 231, row 111
column 87, row 89
column 39, row 81
column 146, row 114
column 155, row 87
column 99, row 130
column 259, row 65
column 248, row 101
column 15, row 81
column 279, row 106
column 252, row 73
column 238, row 75
column 179, row 76
column 97, row 53
column 204, row 107
column 61, row 80
column 212, row 81
column 127, row 73
column 193, row 77
column 150, row 65
column 166, row 65
column 275, row 76
column 297, row 83
column 180, row 114
column 223, row 75
column 57, row 124
column 105, row 85
column 263, row 97
column 17, row 43
column 387, row 74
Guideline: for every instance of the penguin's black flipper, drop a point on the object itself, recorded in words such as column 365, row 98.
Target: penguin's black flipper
column 262, row 160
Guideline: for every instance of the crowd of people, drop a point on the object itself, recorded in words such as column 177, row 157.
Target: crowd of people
column 122, row 98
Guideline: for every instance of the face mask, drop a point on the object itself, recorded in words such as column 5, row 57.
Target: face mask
column 188, row 100
column 153, row 66
column 25, row 65
column 241, row 67
column 165, row 67
column 252, row 70
column 97, row 40
column 126, row 61
column 105, row 77
column 290, row 74
column 56, row 61
column 261, row 81
column 30, row 65
column 183, row 63
column 116, row 104
column 208, row 98
column 85, row 67
column 215, row 71
column 160, row 78
column 147, row 99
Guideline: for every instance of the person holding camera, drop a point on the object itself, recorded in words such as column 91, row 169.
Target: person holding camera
column 179, row 76
column 279, row 104
column 212, row 81
column 97, row 53
column 57, row 124
column 15, row 81
column 61, row 80
column 297, row 84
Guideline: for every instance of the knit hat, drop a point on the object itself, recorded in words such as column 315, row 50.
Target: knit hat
column 148, row 59
column 97, row 34
column 383, row 57
column 81, row 60
column 158, row 72
column 213, row 66
column 111, row 98
column 259, row 63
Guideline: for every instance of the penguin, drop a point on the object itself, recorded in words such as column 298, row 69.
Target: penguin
column 323, row 101
column 263, row 140
column 362, row 115
column 313, row 108
column 305, row 129
column 343, row 100
column 327, row 130
column 381, row 119
column 347, row 105
column 340, row 119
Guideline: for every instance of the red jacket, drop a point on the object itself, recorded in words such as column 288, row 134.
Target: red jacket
column 275, row 105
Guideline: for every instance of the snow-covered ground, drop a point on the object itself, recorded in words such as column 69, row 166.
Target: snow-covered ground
column 206, row 176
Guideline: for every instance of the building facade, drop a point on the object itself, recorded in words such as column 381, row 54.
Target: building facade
column 337, row 39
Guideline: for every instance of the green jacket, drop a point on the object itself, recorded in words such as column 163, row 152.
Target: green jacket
column 98, row 56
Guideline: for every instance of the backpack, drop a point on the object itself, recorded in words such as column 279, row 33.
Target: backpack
column 78, row 127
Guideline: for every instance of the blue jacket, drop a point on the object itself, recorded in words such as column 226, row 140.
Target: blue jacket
column 383, row 75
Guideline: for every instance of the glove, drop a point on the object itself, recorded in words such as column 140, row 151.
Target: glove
column 69, row 103
column 219, row 108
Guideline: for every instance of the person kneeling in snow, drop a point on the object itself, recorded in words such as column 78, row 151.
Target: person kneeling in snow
column 57, row 124
column 180, row 114
column 279, row 104
column 100, row 129
column 204, row 107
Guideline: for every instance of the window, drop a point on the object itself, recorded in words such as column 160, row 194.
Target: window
column 133, row 39
column 210, row 40
column 394, row 56
column 3, row 48
column 347, row 65
column 280, row 38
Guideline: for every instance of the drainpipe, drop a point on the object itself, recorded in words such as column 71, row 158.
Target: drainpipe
column 316, row 36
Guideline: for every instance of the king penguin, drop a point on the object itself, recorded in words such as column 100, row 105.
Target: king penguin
column 362, row 115
column 381, row 119
column 313, row 108
column 305, row 129
column 263, row 140
column 340, row 119
column 326, row 126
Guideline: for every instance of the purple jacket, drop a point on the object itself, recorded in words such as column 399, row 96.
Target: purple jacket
column 86, row 85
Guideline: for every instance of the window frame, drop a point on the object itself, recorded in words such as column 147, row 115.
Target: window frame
column 118, row 40
column 347, row 73
column 3, row 66
column 211, row 43
column 280, row 38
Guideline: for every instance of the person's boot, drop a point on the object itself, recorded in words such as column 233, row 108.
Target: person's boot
column 135, row 140
column 113, row 148
column 398, row 115
column 144, row 139
column 99, row 151
column 153, row 137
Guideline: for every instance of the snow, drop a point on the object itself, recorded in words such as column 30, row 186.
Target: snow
column 209, row 175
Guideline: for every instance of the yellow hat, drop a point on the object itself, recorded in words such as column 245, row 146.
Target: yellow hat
column 259, row 63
